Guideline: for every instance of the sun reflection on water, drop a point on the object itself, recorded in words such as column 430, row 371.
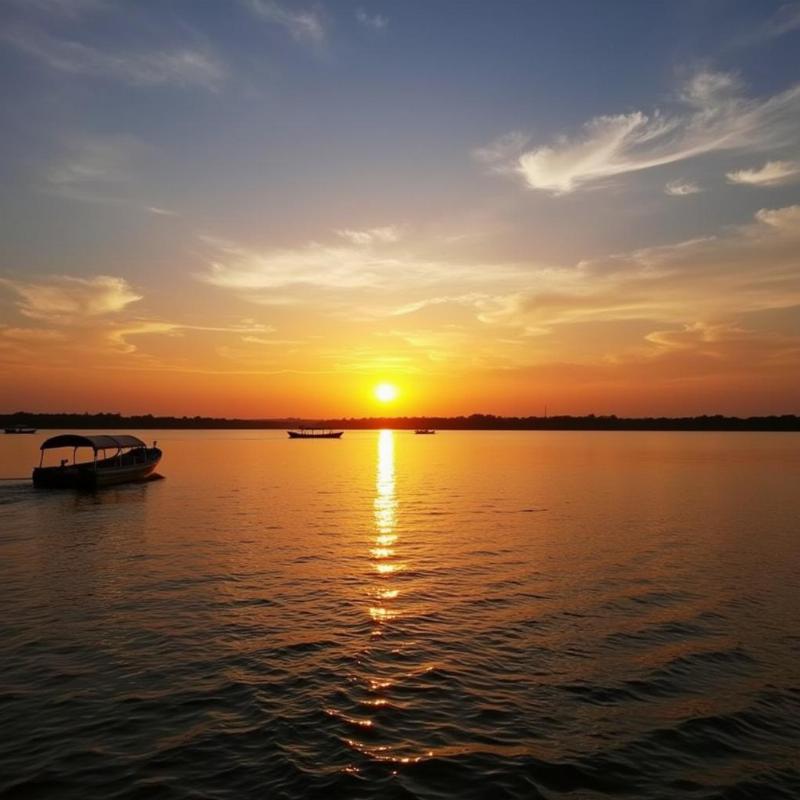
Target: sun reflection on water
column 380, row 656
column 385, row 502
column 385, row 511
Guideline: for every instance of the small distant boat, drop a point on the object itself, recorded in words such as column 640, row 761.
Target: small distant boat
column 132, row 460
column 424, row 432
column 315, row 433
column 20, row 430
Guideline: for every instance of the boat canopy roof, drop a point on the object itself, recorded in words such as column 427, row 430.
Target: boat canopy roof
column 102, row 442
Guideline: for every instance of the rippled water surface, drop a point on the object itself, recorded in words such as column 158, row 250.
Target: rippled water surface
column 471, row 614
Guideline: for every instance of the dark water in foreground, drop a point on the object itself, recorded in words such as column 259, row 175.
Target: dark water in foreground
column 533, row 615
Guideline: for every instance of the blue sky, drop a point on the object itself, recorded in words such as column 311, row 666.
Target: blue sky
column 406, row 182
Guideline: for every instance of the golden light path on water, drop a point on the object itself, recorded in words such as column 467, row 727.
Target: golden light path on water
column 383, row 592
column 385, row 511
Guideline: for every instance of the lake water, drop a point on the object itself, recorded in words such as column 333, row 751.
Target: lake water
column 466, row 615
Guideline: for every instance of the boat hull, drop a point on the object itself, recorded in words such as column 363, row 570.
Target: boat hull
column 20, row 430
column 304, row 435
column 107, row 473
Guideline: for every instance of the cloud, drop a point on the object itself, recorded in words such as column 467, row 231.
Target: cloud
column 710, row 116
column 66, row 8
column 635, row 307
column 386, row 234
column 503, row 153
column 773, row 173
column 32, row 334
column 94, row 162
column 375, row 21
column 372, row 273
column 178, row 66
column 749, row 269
column 681, row 188
column 66, row 300
column 162, row 212
column 365, row 259
column 303, row 25
column 320, row 265
column 785, row 20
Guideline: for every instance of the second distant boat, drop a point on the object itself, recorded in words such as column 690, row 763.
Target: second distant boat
column 314, row 433
column 424, row 432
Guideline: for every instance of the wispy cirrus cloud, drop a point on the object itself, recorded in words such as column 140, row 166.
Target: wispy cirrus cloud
column 93, row 168
column 335, row 266
column 64, row 8
column 377, row 22
column 161, row 212
column 63, row 299
column 711, row 115
column 77, row 318
column 370, row 271
column 682, row 188
column 749, row 269
column 773, row 173
column 785, row 20
column 304, row 25
column 386, row 234
column 101, row 169
column 181, row 66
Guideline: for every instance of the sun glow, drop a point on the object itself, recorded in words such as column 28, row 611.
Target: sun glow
column 386, row 392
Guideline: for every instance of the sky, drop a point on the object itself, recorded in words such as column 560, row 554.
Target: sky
column 264, row 208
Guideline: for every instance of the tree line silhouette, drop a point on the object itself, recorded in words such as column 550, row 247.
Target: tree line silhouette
column 591, row 422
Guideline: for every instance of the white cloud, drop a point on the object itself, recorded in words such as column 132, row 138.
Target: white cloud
column 179, row 66
column 371, row 273
column 320, row 265
column 711, row 115
column 386, row 235
column 303, row 25
column 375, row 21
column 162, row 212
column 773, row 173
column 65, row 300
column 679, row 188
column 503, row 152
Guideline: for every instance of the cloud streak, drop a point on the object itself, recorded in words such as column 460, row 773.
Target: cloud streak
column 711, row 115
column 377, row 22
column 680, row 188
column 303, row 25
column 176, row 66
column 64, row 299
column 773, row 173
column 750, row 269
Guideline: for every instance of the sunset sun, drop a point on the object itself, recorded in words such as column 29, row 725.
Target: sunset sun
column 386, row 392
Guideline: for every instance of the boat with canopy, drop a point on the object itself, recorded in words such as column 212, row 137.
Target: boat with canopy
column 130, row 460
column 314, row 433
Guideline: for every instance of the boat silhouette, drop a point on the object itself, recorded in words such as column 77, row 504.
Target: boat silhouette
column 314, row 433
column 132, row 460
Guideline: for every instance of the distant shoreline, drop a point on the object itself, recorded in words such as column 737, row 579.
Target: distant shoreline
column 785, row 423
